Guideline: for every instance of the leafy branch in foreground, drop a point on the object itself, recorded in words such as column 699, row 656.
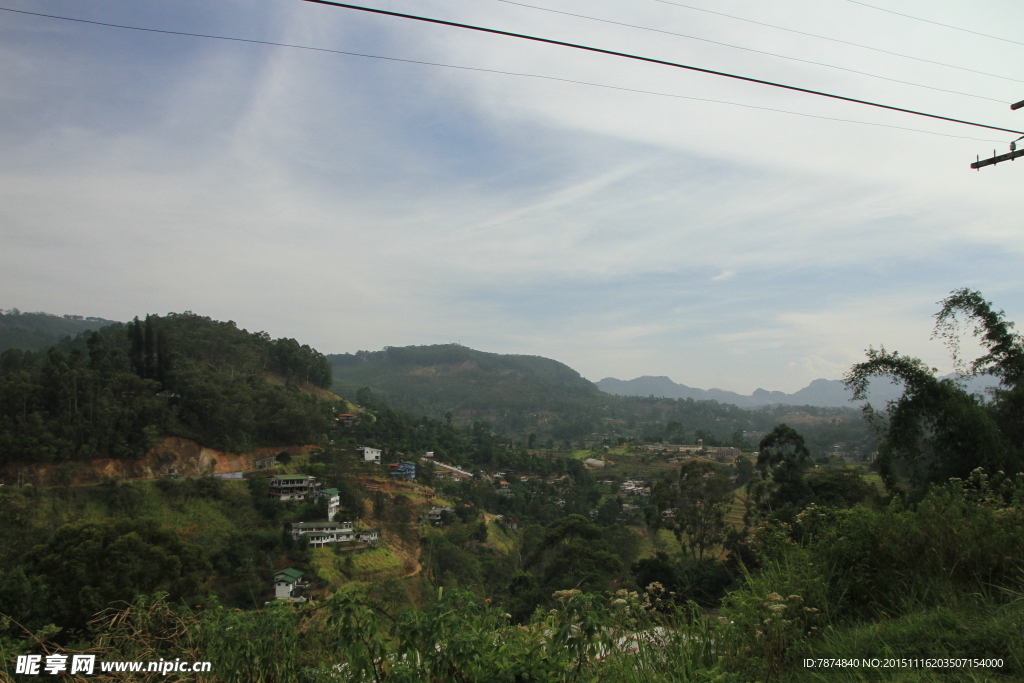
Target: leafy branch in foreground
column 937, row 429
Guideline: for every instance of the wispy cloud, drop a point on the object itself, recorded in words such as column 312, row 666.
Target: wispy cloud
column 355, row 203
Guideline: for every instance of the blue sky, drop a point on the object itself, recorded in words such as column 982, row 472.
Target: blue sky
column 355, row 203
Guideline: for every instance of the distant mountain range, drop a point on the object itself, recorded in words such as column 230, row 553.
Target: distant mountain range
column 825, row 393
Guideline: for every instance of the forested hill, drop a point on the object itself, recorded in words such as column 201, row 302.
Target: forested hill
column 37, row 331
column 454, row 378
column 115, row 392
column 523, row 395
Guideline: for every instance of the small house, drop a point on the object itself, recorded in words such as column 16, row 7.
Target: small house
column 435, row 514
column 287, row 583
column 404, row 470
column 369, row 535
column 369, row 454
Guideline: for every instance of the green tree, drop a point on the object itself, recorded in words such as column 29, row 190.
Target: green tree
column 695, row 504
column 937, row 430
column 86, row 567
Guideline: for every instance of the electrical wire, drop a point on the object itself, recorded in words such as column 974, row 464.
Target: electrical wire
column 492, row 71
column 651, row 60
column 837, row 40
column 749, row 49
column 936, row 23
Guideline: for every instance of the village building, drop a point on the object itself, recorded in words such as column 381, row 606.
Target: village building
column 333, row 497
column 266, row 463
column 511, row 523
column 404, row 470
column 292, row 486
column 434, row 515
column 370, row 536
column 369, row 454
column 593, row 463
column 319, row 534
column 632, row 487
column 287, row 583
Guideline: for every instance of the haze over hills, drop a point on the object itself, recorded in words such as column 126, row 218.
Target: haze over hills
column 825, row 393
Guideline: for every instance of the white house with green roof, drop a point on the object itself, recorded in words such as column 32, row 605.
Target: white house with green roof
column 293, row 486
column 287, row 582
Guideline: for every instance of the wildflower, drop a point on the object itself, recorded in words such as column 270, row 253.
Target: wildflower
column 777, row 608
column 774, row 597
column 811, row 610
column 794, row 597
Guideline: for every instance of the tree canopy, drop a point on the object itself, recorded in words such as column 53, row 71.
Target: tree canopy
column 938, row 430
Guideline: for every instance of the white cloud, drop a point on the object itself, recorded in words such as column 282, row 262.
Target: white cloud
column 354, row 204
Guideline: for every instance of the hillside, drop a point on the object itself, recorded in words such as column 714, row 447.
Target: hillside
column 470, row 384
column 524, row 395
column 114, row 393
column 37, row 331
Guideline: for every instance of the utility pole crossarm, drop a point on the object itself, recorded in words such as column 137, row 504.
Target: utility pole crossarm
column 1018, row 105
column 995, row 160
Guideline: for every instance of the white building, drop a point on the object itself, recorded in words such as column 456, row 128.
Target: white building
column 369, row 454
column 319, row 534
column 287, row 582
column 333, row 502
column 369, row 535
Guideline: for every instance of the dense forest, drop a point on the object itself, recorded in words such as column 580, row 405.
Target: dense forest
column 116, row 391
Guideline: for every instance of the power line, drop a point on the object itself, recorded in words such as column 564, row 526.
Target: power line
column 936, row 23
column 749, row 49
column 652, row 60
column 837, row 40
column 493, row 71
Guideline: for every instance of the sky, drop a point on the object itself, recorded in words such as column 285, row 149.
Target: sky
column 354, row 203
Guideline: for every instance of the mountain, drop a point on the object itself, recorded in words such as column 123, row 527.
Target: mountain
column 524, row 395
column 825, row 393
column 37, row 331
column 444, row 378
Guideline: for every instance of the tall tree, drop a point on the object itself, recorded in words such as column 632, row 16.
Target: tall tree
column 694, row 505
column 937, row 429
